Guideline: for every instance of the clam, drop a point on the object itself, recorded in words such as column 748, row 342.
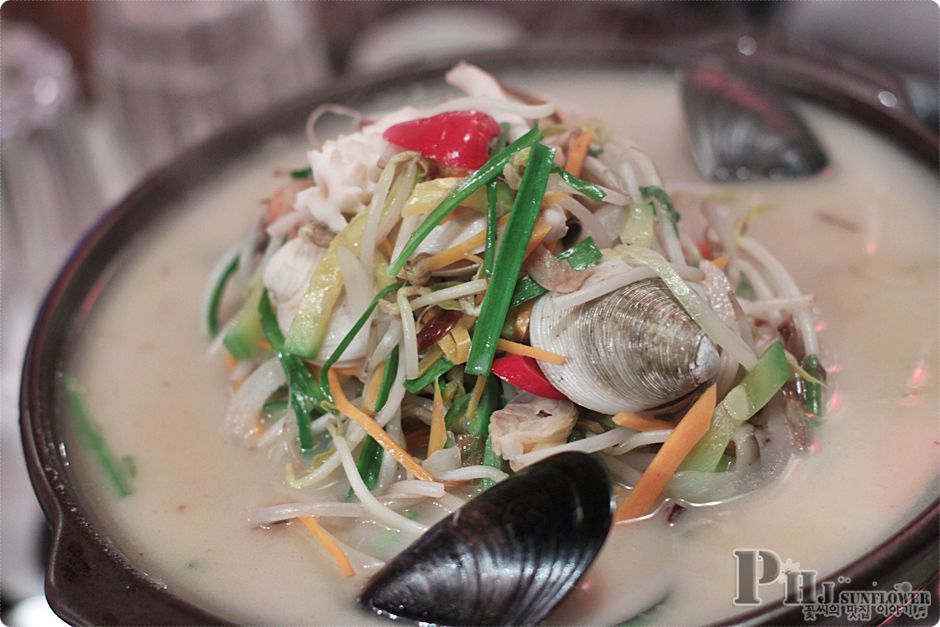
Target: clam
column 634, row 349
column 742, row 131
column 508, row 556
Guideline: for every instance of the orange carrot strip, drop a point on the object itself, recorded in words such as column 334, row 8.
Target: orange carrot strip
column 577, row 150
column 386, row 247
column 438, row 437
column 552, row 198
column 454, row 253
column 721, row 262
column 475, row 396
column 515, row 348
column 539, row 232
column 329, row 543
column 458, row 251
column 639, row 422
column 374, row 429
column 684, row 437
column 372, row 389
column 351, row 370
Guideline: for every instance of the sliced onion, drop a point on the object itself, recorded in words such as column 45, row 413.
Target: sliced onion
column 409, row 337
column 639, row 440
column 390, row 340
column 328, row 509
column 450, row 293
column 417, row 487
column 442, row 460
column 592, row 444
column 376, row 206
column 471, row 473
column 389, row 469
column 610, row 277
column 246, row 403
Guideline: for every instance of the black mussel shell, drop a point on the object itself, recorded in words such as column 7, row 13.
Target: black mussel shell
column 739, row 131
column 508, row 556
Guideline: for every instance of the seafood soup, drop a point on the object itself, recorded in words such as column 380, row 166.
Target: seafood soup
column 237, row 470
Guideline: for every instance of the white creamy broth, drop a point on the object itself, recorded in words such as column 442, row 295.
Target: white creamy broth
column 158, row 397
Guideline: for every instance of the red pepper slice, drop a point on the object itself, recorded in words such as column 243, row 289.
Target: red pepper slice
column 459, row 139
column 524, row 373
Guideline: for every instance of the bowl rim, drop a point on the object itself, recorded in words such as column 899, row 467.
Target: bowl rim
column 79, row 548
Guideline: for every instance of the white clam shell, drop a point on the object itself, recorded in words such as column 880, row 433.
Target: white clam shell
column 634, row 349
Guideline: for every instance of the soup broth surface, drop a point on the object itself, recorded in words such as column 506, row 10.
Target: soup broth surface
column 863, row 240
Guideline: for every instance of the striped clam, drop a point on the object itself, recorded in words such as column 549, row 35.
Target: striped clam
column 634, row 349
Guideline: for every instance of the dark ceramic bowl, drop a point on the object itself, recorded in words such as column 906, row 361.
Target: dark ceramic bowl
column 90, row 581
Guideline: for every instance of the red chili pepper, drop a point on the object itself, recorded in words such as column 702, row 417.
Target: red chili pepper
column 459, row 139
column 524, row 373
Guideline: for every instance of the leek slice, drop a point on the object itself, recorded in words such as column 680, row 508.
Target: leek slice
column 756, row 389
column 326, row 284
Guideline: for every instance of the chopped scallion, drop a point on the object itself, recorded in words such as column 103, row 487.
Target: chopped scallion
column 438, row 368
column 117, row 469
column 812, row 390
column 489, row 253
column 216, row 298
column 509, row 257
column 661, row 201
column 457, row 407
column 581, row 186
column 305, row 395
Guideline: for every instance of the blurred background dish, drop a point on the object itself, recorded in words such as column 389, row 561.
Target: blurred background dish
column 95, row 95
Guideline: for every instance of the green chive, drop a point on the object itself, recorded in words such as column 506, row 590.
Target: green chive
column 580, row 256
column 274, row 409
column 439, row 367
column 812, row 395
column 302, row 173
column 305, row 395
column 509, row 258
column 216, row 299
column 370, row 457
column 91, row 432
column 661, row 201
column 487, row 172
column 489, row 253
column 479, row 424
column 456, row 409
column 581, row 186
column 724, row 463
column 350, row 336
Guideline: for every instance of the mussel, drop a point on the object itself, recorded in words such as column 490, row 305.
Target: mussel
column 635, row 349
column 508, row 556
column 742, row 131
